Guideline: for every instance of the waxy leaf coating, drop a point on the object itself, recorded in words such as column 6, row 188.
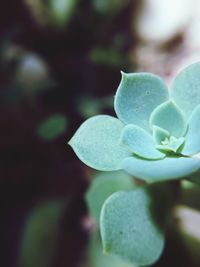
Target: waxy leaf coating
column 186, row 88
column 153, row 131
column 129, row 229
column 192, row 143
column 97, row 143
column 159, row 134
column 156, row 138
column 137, row 96
column 168, row 168
column 169, row 117
column 140, row 142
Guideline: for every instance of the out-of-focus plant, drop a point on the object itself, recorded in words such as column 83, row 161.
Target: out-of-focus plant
column 32, row 74
column 109, row 7
column 61, row 11
column 53, row 127
column 53, row 12
column 41, row 234
column 156, row 139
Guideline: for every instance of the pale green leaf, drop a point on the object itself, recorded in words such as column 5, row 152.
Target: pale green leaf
column 103, row 185
column 132, row 226
column 192, row 144
column 169, row 117
column 98, row 259
column 185, row 89
column 159, row 134
column 168, row 168
column 137, row 96
column 97, row 143
column 140, row 142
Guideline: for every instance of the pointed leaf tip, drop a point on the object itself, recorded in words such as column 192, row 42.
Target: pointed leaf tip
column 137, row 96
column 97, row 143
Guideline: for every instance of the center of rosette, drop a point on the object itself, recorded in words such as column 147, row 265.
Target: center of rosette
column 171, row 144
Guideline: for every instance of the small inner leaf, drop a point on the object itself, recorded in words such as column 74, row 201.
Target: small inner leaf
column 140, row 142
column 172, row 144
column 159, row 134
column 137, row 96
column 130, row 229
column 169, row 117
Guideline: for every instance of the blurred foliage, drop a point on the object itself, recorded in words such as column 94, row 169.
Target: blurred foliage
column 106, row 56
column 60, row 63
column 41, row 234
column 89, row 106
column 32, row 74
column 52, row 127
column 61, row 11
column 111, row 7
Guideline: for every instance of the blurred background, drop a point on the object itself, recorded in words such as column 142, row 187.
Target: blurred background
column 60, row 63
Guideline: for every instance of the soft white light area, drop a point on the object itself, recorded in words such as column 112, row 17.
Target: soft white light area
column 160, row 20
column 189, row 221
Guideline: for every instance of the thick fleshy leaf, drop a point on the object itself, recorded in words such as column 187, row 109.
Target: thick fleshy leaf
column 137, row 96
column 158, row 170
column 132, row 226
column 173, row 144
column 192, row 143
column 140, row 142
column 97, row 143
column 103, row 185
column 186, row 88
column 169, row 117
column 98, row 259
column 159, row 134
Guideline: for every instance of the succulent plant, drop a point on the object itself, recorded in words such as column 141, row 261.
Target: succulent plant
column 156, row 137
column 157, row 133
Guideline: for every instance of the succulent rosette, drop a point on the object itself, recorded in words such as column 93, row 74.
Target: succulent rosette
column 157, row 133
